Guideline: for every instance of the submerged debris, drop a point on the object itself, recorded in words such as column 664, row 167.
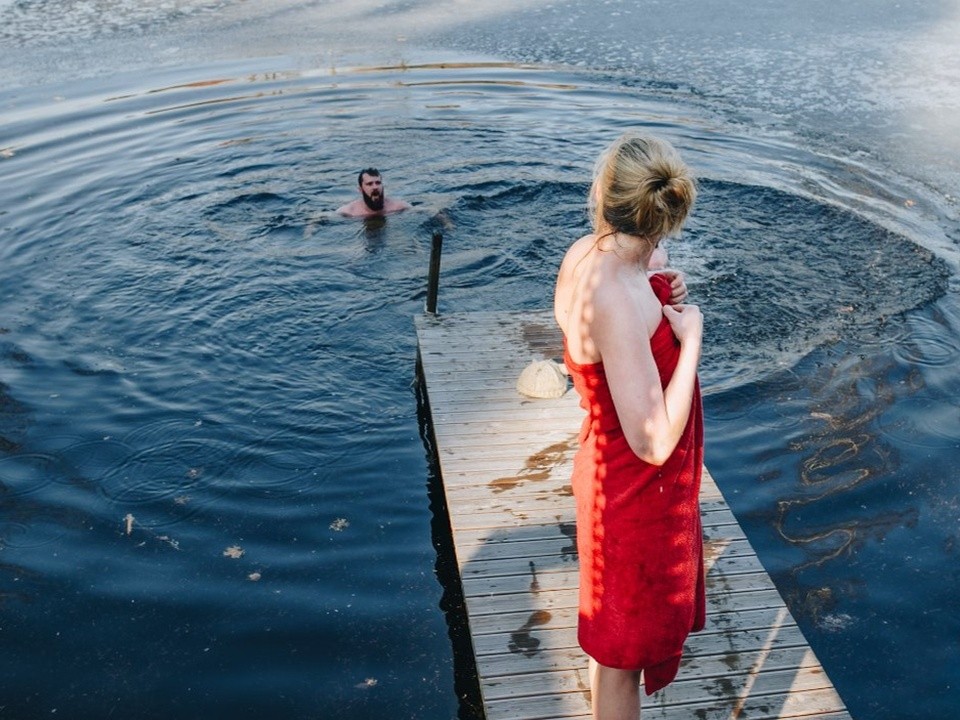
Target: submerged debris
column 129, row 521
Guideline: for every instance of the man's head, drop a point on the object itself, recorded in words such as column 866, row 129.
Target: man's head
column 371, row 187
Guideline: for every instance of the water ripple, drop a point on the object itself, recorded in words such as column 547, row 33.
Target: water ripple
column 930, row 422
column 28, row 473
column 931, row 343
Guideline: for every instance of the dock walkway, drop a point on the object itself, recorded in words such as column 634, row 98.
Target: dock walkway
column 505, row 462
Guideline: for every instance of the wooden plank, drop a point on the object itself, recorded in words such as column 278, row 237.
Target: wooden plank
column 556, row 601
column 563, row 528
column 751, row 606
column 546, row 512
column 820, row 703
column 540, row 567
column 539, row 632
column 700, row 648
column 531, row 684
column 547, row 558
column 506, row 462
column 536, row 582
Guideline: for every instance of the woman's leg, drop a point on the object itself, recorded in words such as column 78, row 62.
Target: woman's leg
column 615, row 694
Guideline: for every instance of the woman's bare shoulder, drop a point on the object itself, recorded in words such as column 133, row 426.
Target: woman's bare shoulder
column 568, row 277
column 579, row 249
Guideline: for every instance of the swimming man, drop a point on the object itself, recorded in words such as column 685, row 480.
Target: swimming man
column 372, row 200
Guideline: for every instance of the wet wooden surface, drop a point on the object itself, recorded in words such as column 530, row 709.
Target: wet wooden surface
column 505, row 462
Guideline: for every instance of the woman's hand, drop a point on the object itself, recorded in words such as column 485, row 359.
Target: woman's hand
column 686, row 322
column 678, row 285
column 658, row 264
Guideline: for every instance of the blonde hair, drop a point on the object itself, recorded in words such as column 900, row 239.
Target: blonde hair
column 641, row 187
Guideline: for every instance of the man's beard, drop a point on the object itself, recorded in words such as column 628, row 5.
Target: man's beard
column 374, row 203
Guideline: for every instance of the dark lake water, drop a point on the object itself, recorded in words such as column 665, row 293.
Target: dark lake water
column 216, row 499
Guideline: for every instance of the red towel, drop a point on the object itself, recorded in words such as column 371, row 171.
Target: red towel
column 639, row 536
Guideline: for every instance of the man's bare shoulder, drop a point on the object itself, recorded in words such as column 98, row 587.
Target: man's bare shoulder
column 352, row 209
column 357, row 208
column 391, row 206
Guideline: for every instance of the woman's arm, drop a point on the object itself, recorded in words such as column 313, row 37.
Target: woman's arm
column 652, row 418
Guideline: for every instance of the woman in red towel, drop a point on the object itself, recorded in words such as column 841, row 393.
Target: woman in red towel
column 633, row 358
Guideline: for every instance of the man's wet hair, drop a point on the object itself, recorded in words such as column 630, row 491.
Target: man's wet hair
column 371, row 171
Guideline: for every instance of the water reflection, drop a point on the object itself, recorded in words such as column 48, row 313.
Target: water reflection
column 844, row 491
column 855, row 513
column 841, row 455
column 13, row 421
column 374, row 234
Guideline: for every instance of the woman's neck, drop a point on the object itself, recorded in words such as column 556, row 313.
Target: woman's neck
column 631, row 249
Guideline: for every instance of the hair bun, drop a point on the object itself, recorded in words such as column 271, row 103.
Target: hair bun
column 642, row 188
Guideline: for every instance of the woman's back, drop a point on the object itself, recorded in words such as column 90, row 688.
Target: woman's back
column 595, row 280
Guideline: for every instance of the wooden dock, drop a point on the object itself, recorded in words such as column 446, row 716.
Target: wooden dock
column 505, row 462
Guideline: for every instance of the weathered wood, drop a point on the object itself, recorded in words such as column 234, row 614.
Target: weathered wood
column 562, row 528
column 506, row 462
column 551, row 601
column 750, row 633
column 540, row 567
column 767, row 605
column 547, row 559
column 535, row 582
column 546, row 512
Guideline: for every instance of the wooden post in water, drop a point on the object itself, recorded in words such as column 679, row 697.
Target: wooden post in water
column 433, row 279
